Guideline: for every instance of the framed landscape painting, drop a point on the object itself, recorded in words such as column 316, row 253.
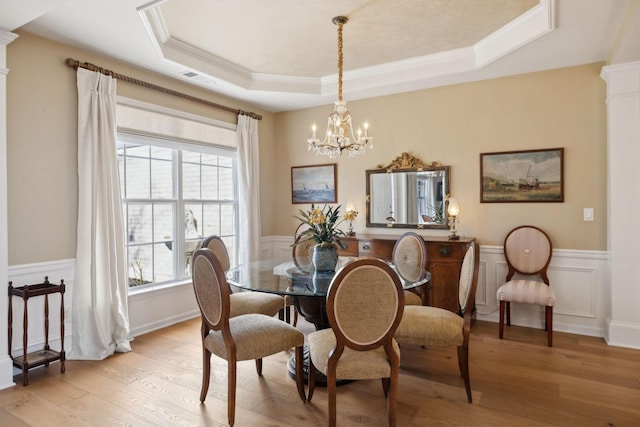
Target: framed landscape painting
column 314, row 184
column 522, row 176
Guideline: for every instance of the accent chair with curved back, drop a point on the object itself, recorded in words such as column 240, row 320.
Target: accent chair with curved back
column 429, row 326
column 528, row 252
column 409, row 257
column 244, row 302
column 364, row 307
column 244, row 337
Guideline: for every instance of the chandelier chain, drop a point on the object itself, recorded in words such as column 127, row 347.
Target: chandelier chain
column 340, row 25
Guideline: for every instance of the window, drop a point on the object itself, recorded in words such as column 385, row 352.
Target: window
column 173, row 194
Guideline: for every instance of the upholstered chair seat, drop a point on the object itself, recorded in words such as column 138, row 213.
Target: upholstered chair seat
column 412, row 298
column 255, row 302
column 445, row 327
column 528, row 292
column 254, row 337
column 354, row 365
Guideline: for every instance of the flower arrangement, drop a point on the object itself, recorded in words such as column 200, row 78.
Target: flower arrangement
column 323, row 226
column 350, row 215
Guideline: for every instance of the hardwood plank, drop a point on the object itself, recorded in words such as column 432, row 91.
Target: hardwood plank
column 517, row 381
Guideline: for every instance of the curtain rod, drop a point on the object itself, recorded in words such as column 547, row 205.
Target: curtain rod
column 75, row 64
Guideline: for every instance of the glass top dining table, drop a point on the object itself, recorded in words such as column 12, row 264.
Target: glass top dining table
column 306, row 287
column 284, row 277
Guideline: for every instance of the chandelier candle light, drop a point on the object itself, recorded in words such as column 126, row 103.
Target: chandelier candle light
column 339, row 134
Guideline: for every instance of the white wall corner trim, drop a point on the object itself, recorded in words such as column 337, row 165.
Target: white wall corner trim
column 6, row 365
column 623, row 151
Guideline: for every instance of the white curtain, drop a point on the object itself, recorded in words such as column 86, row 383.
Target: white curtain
column 100, row 317
column 249, row 233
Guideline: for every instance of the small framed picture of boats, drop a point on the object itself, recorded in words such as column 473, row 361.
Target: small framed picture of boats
column 522, row 176
column 314, row 184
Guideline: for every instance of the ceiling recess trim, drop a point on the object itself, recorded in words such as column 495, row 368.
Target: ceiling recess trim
column 528, row 27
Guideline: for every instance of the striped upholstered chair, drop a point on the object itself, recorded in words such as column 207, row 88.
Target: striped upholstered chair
column 428, row 326
column 364, row 307
column 528, row 251
column 409, row 258
column 243, row 337
column 244, row 302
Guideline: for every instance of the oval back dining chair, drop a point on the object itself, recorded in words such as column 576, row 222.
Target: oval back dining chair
column 364, row 306
column 528, row 251
column 409, row 257
column 244, row 302
column 243, row 337
column 428, row 326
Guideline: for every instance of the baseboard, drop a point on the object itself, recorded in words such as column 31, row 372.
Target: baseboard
column 622, row 334
column 6, row 372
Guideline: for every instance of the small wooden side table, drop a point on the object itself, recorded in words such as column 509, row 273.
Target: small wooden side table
column 45, row 356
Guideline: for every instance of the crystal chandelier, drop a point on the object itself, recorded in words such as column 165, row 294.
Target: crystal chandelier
column 339, row 134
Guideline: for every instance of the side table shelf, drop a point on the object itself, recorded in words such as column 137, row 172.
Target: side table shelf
column 45, row 356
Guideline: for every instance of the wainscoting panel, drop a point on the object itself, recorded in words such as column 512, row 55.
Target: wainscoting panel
column 578, row 279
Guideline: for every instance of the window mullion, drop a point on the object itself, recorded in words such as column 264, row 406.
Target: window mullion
column 179, row 215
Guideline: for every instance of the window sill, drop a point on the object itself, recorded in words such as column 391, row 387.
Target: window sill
column 157, row 288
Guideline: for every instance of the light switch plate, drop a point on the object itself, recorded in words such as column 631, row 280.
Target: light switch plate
column 588, row 214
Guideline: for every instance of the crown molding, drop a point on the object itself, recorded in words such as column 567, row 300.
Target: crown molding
column 528, row 27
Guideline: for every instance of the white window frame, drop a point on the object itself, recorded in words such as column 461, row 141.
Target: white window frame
column 145, row 123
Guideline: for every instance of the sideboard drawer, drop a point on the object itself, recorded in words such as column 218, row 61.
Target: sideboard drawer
column 351, row 249
column 376, row 248
column 443, row 251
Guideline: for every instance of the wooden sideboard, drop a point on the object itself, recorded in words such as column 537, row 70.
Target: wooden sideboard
column 444, row 260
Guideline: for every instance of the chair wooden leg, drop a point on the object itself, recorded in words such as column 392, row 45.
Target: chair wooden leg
column 300, row 372
column 385, row 386
column 508, row 309
column 231, row 391
column 312, row 379
column 463, row 363
column 331, row 396
column 295, row 316
column 259, row 367
column 392, row 399
column 206, row 373
column 549, row 323
column 501, row 321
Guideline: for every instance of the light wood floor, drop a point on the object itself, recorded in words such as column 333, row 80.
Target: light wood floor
column 516, row 382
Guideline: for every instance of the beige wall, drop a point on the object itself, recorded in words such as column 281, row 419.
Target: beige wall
column 42, row 142
column 453, row 125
